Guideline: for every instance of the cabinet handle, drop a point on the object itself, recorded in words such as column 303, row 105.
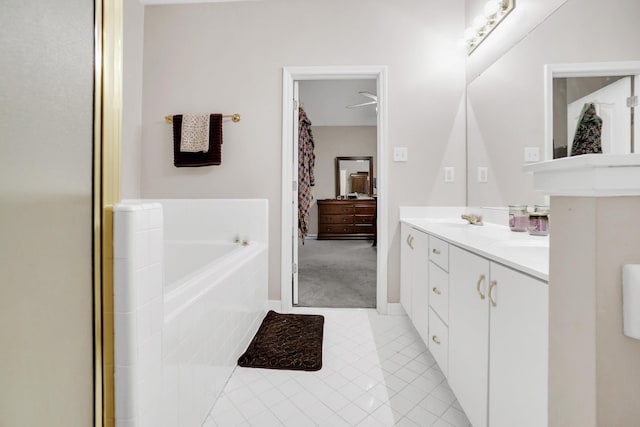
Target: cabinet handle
column 435, row 339
column 435, row 251
column 492, row 285
column 480, row 280
column 410, row 240
column 436, row 291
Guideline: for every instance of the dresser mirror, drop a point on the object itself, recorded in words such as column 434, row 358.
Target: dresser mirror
column 354, row 177
column 611, row 88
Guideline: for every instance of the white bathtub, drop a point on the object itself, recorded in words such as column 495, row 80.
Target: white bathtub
column 186, row 258
column 185, row 308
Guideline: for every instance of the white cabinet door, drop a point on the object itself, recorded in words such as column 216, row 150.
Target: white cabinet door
column 414, row 278
column 405, row 267
column 518, row 351
column 469, row 332
column 420, row 284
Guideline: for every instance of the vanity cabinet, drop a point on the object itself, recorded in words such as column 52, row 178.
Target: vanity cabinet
column 498, row 342
column 414, row 293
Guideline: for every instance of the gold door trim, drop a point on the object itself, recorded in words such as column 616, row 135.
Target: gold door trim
column 106, row 192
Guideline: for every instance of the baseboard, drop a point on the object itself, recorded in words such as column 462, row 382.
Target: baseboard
column 275, row 305
column 395, row 309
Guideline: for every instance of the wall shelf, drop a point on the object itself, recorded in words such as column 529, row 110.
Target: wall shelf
column 589, row 175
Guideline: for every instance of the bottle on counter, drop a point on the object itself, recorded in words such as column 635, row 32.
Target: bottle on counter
column 518, row 217
column 539, row 224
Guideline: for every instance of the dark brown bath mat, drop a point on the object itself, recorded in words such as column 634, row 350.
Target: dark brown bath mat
column 286, row 341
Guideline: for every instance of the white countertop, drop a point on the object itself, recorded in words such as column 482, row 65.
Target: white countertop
column 520, row 251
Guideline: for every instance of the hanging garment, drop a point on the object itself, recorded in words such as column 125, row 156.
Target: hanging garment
column 306, row 179
column 588, row 132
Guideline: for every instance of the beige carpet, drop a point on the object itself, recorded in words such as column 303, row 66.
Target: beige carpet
column 337, row 273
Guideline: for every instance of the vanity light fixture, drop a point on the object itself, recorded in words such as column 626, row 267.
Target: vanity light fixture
column 494, row 12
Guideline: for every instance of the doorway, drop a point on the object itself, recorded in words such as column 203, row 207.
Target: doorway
column 292, row 76
column 336, row 262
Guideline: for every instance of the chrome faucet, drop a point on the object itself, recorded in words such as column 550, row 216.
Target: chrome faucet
column 473, row 219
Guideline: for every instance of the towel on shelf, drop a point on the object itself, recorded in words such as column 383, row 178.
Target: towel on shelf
column 195, row 133
column 213, row 156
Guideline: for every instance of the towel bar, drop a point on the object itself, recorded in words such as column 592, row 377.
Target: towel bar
column 235, row 118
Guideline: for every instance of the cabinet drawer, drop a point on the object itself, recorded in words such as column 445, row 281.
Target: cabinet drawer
column 439, row 252
column 439, row 291
column 334, row 229
column 439, row 341
column 335, row 209
column 336, row 219
column 363, row 219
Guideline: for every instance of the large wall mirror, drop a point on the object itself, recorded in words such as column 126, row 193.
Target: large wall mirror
column 354, row 177
column 610, row 88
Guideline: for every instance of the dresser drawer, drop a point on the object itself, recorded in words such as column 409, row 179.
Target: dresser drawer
column 335, row 209
column 335, row 229
column 363, row 219
column 439, row 341
column 336, row 219
column 439, row 252
column 364, row 210
column 439, row 291
column 363, row 229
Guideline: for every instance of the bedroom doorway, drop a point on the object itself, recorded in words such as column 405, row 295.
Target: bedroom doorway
column 339, row 265
column 337, row 256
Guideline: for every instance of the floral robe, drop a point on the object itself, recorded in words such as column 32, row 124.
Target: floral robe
column 588, row 132
column 306, row 179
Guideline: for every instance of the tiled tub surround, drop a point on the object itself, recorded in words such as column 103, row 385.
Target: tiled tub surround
column 176, row 343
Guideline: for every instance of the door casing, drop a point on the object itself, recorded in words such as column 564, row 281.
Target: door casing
column 289, row 76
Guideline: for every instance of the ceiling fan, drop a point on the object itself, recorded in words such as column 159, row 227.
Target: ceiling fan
column 368, row 95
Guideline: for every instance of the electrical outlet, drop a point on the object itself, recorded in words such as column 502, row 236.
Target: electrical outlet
column 483, row 174
column 531, row 154
column 449, row 174
column 400, row 154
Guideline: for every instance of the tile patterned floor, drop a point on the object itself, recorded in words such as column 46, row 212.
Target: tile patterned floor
column 376, row 372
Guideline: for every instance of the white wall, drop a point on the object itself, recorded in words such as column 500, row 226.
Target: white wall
column 46, row 129
column 506, row 101
column 228, row 57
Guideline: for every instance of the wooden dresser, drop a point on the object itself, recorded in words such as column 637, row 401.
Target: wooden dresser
column 347, row 219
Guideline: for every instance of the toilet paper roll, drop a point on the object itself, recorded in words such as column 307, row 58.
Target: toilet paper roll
column 631, row 300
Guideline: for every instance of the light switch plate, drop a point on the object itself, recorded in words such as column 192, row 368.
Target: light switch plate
column 483, row 174
column 531, row 154
column 400, row 154
column 449, row 174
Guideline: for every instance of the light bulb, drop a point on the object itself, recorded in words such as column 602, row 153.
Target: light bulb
column 470, row 34
column 478, row 23
column 491, row 8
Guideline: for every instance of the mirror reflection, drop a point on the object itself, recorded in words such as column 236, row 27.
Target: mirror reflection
column 354, row 177
column 593, row 114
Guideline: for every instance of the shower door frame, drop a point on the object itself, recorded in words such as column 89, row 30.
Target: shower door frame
column 291, row 75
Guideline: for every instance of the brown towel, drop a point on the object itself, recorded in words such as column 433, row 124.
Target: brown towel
column 212, row 157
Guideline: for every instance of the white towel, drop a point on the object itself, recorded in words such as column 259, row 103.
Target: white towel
column 195, row 133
